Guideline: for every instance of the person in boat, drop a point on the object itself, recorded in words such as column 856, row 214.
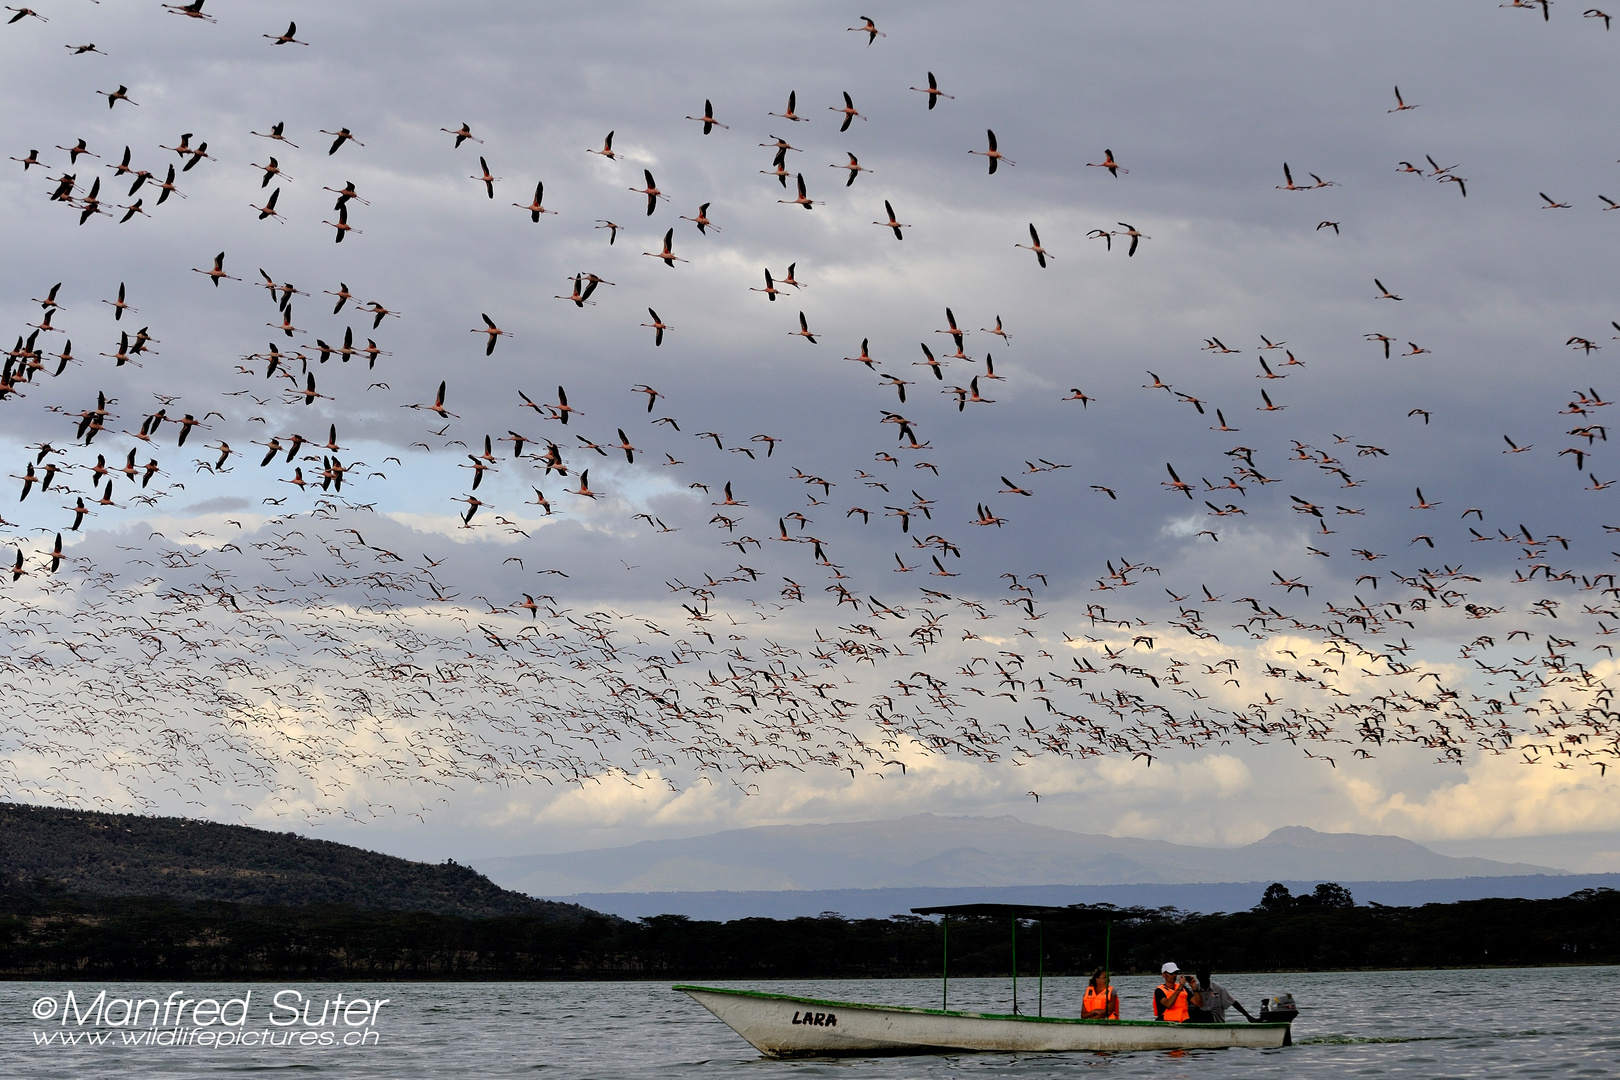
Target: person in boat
column 1216, row 998
column 1199, row 1012
column 1101, row 1002
column 1174, row 997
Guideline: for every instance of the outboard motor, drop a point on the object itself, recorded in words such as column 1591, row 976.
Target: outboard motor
column 1280, row 1010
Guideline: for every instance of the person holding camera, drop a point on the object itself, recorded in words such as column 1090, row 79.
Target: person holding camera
column 1175, row 997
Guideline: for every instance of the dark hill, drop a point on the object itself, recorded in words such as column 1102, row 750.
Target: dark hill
column 95, row 854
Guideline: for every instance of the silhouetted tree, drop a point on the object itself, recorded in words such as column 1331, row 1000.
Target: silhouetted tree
column 1276, row 898
column 1330, row 894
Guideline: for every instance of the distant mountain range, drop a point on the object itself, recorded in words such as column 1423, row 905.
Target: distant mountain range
column 99, row 855
column 931, row 851
column 850, row 866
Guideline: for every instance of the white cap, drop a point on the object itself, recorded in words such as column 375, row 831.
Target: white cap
column 1170, row 967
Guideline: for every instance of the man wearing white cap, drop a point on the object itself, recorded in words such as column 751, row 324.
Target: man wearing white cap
column 1173, row 998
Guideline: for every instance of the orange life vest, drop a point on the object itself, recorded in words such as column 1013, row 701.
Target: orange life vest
column 1103, row 1001
column 1176, row 1011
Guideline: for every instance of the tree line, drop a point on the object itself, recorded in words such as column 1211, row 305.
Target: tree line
column 47, row 932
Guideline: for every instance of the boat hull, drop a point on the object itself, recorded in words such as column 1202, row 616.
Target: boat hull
column 782, row 1025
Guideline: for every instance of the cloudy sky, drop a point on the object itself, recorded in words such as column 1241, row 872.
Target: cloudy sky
column 1200, row 107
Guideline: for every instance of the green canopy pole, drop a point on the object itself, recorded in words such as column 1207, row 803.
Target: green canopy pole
column 1015, row 964
column 1040, row 968
column 945, row 963
column 1108, row 934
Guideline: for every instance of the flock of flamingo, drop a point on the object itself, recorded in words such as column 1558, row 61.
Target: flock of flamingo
column 305, row 644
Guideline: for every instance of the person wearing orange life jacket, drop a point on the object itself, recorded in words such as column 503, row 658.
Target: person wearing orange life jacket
column 1174, row 998
column 1101, row 1002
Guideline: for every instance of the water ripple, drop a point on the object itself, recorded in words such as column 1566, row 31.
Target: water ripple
column 1556, row 1021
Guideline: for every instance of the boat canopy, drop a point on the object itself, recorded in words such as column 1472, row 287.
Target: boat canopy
column 1037, row 913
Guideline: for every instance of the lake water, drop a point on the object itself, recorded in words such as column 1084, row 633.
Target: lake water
column 1562, row 1022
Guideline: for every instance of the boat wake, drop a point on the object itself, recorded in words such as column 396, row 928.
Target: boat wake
column 1357, row 1040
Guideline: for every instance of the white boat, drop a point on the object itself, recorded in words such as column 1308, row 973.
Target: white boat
column 783, row 1025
